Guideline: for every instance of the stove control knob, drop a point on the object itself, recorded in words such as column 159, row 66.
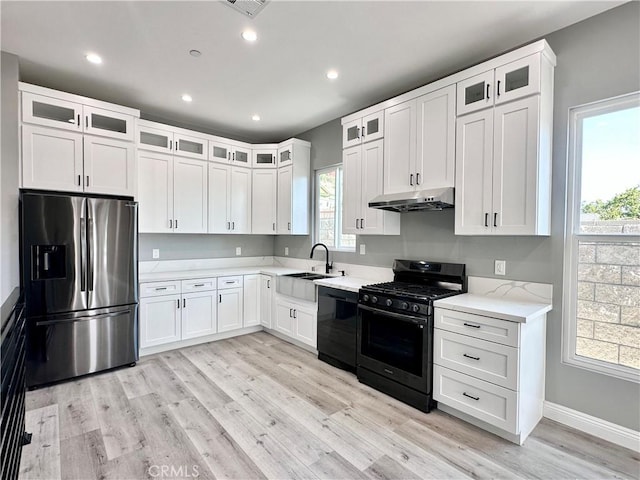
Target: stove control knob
column 365, row 298
column 404, row 305
column 374, row 299
column 389, row 302
column 415, row 308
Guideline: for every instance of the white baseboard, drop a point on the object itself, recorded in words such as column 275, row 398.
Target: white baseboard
column 597, row 427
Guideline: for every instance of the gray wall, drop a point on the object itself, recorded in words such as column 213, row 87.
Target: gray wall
column 185, row 246
column 597, row 58
column 9, row 231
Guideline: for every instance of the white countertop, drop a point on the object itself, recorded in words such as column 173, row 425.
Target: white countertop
column 497, row 307
column 214, row 272
column 351, row 284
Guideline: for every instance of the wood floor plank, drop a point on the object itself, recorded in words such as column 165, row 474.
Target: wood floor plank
column 224, row 457
column 386, row 468
column 41, row 459
column 168, row 444
column 335, row 467
column 262, row 448
column 420, row 461
column 454, row 453
column 120, row 429
column 198, row 384
column 153, row 376
column 82, row 456
column 588, row 448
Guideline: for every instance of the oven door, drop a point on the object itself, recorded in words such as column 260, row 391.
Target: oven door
column 396, row 346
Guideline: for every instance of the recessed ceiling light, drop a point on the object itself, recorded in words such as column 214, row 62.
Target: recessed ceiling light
column 255, row 118
column 332, row 74
column 187, row 98
column 250, row 35
column 93, row 58
column 195, row 53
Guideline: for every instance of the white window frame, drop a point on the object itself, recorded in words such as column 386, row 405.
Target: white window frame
column 339, row 199
column 573, row 236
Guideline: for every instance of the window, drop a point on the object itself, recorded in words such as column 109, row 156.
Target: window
column 601, row 328
column 329, row 210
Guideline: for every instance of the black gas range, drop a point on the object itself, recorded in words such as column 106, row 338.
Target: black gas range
column 395, row 328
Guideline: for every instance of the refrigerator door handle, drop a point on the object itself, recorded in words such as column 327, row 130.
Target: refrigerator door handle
column 89, row 259
column 83, row 318
column 83, row 254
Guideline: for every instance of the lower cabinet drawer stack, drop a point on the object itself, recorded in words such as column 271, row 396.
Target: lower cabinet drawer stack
column 490, row 369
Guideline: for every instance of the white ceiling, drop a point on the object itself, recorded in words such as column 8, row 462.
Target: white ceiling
column 381, row 49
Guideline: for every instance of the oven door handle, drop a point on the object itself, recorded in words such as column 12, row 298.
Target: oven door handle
column 400, row 316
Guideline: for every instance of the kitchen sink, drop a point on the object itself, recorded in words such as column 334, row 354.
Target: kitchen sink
column 300, row 285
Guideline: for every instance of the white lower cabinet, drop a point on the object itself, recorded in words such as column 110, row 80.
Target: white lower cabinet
column 266, row 300
column 160, row 320
column 491, row 370
column 230, row 303
column 198, row 314
column 297, row 320
column 251, row 294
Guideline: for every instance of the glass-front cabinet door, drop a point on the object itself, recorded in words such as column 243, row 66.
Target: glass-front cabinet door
column 192, row 147
column 105, row 123
column 372, row 127
column 51, row 112
column 475, row 93
column 241, row 156
column 518, row 79
column 264, row 157
column 219, row 152
column 351, row 133
column 285, row 155
column 154, row 139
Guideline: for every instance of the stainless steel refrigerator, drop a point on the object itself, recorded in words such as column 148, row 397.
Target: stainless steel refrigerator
column 79, row 265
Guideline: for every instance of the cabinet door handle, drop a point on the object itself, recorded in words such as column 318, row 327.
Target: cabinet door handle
column 184, row 303
column 357, row 226
column 178, row 303
column 86, row 121
column 199, row 285
column 274, row 227
column 158, row 289
column 229, row 155
column 229, row 282
column 176, row 222
column 295, row 313
column 79, row 180
column 170, row 223
column 486, row 219
column 411, row 179
column 87, row 180
column 471, row 357
column 79, row 121
column 228, row 225
column 363, row 129
column 233, row 225
column 498, row 92
column 268, row 283
column 291, row 313
column 362, row 223
column 488, row 86
column 170, row 145
column 495, row 219
column 288, row 225
column 219, row 298
column 470, row 396
column 234, row 156
column 471, row 325
column 417, row 179
column 357, row 132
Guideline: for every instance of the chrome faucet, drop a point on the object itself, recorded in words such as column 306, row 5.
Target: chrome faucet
column 328, row 265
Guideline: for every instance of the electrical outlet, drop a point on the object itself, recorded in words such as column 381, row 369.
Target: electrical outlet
column 362, row 249
column 155, row 253
column 238, row 250
column 500, row 267
column 286, row 251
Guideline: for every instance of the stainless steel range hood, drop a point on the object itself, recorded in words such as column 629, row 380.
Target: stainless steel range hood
column 431, row 199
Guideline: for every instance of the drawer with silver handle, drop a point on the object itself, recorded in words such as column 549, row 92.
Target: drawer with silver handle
column 485, row 360
column 478, row 326
column 199, row 284
column 234, row 281
column 156, row 289
column 495, row 405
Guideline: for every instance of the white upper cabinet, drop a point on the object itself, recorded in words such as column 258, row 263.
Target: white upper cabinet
column 241, row 156
column 189, row 196
column 155, row 192
column 293, row 188
column 365, row 129
column 237, row 154
column 219, row 151
column 285, row 154
column 436, row 133
column 362, row 182
column 503, row 154
column 263, row 201
column 109, row 166
column 67, row 145
column 190, row 146
column 264, row 156
column 229, row 199
column 475, row 93
column 158, row 137
column 154, row 138
column 400, row 148
column 52, row 159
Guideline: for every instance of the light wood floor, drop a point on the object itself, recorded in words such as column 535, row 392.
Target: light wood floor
column 258, row 407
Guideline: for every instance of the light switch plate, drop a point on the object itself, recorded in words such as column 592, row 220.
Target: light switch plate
column 362, row 249
column 286, row 251
column 155, row 253
column 238, row 250
column 500, row 267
